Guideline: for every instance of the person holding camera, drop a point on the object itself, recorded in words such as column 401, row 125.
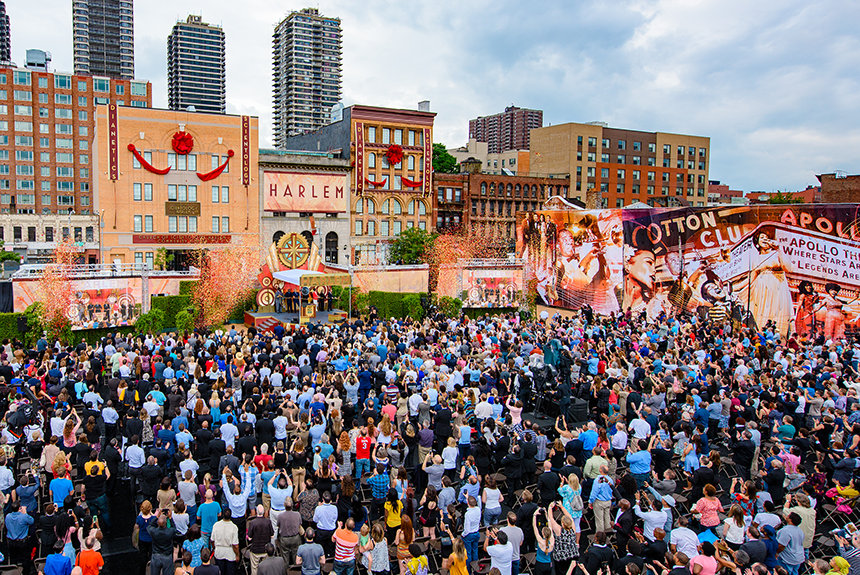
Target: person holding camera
column 501, row 551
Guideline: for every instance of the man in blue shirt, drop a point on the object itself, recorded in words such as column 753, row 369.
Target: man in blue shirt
column 589, row 439
column 640, row 462
column 17, row 535
column 59, row 488
column 601, row 499
column 56, row 563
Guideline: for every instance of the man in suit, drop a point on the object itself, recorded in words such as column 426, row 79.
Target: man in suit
column 547, row 484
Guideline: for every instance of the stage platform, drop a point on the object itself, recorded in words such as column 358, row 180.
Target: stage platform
column 266, row 321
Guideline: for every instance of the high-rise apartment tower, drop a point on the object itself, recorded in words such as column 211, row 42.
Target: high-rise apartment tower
column 196, row 67
column 306, row 51
column 103, row 32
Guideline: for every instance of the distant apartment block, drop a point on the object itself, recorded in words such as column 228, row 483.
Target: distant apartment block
column 506, row 131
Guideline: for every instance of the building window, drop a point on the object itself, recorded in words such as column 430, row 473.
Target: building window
column 358, row 225
column 383, row 228
column 138, row 193
column 21, row 77
column 101, row 85
column 386, row 135
column 225, row 225
column 171, row 224
column 371, row 160
column 410, row 162
column 331, row 248
column 216, row 224
column 138, row 224
column 371, row 134
column 398, row 136
column 147, row 223
column 138, row 89
column 371, row 228
column 216, row 194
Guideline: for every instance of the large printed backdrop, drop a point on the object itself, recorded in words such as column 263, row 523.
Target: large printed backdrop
column 796, row 267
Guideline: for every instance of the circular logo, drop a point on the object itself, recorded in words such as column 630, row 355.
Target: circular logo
column 293, row 250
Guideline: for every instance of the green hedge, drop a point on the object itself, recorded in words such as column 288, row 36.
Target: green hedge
column 397, row 305
column 186, row 287
column 170, row 305
column 9, row 325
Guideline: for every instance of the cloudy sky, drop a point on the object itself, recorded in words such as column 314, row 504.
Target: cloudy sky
column 773, row 83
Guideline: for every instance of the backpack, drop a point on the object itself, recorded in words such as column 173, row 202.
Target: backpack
column 576, row 503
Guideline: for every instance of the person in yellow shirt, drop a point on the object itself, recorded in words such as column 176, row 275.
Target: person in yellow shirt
column 393, row 510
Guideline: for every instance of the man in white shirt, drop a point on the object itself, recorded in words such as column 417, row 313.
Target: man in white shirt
column 501, row 552
column 225, row 539
column 229, row 432
column 653, row 518
column 471, row 524
column 683, row 539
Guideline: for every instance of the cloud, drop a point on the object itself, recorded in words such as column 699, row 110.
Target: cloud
column 773, row 84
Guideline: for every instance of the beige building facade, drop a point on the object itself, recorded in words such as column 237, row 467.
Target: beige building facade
column 181, row 181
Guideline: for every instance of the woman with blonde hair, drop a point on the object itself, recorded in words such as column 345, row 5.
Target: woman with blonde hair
column 61, row 466
column 457, row 562
column 70, row 430
column 571, row 500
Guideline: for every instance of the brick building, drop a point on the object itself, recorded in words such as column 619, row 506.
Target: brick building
column 46, row 131
column 624, row 166
column 174, row 179
column 508, row 130
column 719, row 193
column 387, row 197
column 488, row 204
column 839, row 188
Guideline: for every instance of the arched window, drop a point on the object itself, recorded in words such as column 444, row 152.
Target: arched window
column 483, row 188
column 309, row 237
column 509, row 190
column 410, row 163
column 517, row 190
column 276, row 237
column 371, row 206
column 359, row 206
column 371, row 160
column 492, row 189
column 422, row 208
column 331, row 248
column 534, row 191
column 386, row 207
column 396, row 207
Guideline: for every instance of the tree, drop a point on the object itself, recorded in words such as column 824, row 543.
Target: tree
column 410, row 246
column 784, row 198
column 5, row 256
column 162, row 259
column 443, row 162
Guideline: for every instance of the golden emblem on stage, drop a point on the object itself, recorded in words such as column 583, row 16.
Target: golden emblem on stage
column 293, row 250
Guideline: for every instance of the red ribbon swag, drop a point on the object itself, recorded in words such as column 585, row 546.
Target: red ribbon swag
column 203, row 176
column 411, row 183
column 217, row 171
column 378, row 184
column 139, row 157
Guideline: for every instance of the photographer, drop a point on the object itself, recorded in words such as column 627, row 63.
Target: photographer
column 501, row 551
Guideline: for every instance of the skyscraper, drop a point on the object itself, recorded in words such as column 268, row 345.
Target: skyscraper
column 506, row 131
column 195, row 67
column 104, row 37
column 307, row 72
column 5, row 35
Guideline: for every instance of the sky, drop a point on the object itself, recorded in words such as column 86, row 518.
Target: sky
column 773, row 83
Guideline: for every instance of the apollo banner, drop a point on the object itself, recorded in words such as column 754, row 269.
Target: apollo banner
column 304, row 192
column 795, row 268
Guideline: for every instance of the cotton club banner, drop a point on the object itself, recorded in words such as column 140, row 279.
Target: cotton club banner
column 796, row 267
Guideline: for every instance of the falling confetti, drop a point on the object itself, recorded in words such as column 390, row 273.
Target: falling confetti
column 55, row 288
column 448, row 249
column 227, row 278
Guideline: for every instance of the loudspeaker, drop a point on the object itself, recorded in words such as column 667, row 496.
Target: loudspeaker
column 578, row 412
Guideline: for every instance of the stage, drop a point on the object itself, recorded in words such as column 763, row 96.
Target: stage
column 267, row 320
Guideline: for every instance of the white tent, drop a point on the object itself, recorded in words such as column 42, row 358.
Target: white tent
column 294, row 277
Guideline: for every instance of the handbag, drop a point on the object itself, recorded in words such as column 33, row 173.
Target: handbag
column 135, row 536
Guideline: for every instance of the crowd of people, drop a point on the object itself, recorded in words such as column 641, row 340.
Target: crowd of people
column 444, row 445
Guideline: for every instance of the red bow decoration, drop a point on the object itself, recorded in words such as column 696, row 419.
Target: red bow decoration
column 411, row 183
column 378, row 184
column 217, row 171
column 394, row 155
column 139, row 157
column 182, row 143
